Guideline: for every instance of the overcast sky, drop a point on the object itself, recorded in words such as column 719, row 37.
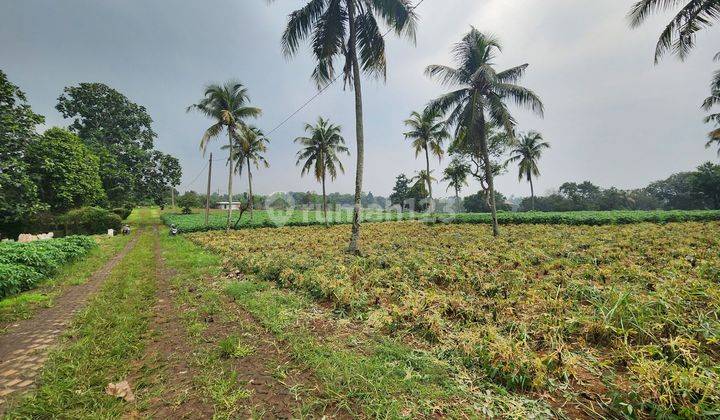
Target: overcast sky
column 612, row 117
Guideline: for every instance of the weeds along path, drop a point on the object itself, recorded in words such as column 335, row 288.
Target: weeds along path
column 24, row 347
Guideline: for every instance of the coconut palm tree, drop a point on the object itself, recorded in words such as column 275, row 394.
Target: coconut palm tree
column 227, row 105
column 427, row 132
column 348, row 30
column 678, row 37
column 456, row 176
column 250, row 144
column 480, row 95
column 319, row 153
column 527, row 152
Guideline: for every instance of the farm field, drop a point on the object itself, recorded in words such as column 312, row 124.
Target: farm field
column 264, row 218
column 218, row 218
column 599, row 320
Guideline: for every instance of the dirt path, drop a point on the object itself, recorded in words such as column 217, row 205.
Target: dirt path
column 168, row 355
column 24, row 347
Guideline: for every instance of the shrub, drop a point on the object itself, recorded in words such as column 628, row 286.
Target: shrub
column 123, row 212
column 89, row 221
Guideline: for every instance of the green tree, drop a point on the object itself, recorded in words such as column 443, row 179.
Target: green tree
column 227, row 106
column 706, row 182
column 117, row 130
column 161, row 172
column 481, row 95
column 66, row 172
column 527, row 152
column 250, row 144
column 479, row 202
column 348, row 30
column 456, row 176
column 423, row 200
column 427, row 132
column 678, row 37
column 400, row 191
column 189, row 201
column 320, row 154
column 18, row 194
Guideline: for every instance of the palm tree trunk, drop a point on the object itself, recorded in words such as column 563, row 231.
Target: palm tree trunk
column 431, row 207
column 532, row 193
column 324, row 200
column 457, row 201
column 360, row 136
column 250, row 193
column 230, row 179
column 489, row 177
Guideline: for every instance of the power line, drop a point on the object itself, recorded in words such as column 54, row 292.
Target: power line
column 321, row 91
column 189, row 184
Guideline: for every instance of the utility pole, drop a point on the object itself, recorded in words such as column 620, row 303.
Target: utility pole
column 172, row 196
column 207, row 199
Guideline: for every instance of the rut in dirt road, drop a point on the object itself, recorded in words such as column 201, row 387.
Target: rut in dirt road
column 24, row 347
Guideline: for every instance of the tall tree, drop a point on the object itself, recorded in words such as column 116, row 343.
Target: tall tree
column 18, row 193
column 400, row 191
column 320, row 153
column 161, row 172
column 527, row 152
column 348, row 30
column 117, row 130
column 678, row 37
column 66, row 172
column 427, row 132
column 480, row 96
column 456, row 176
column 250, row 145
column 227, row 106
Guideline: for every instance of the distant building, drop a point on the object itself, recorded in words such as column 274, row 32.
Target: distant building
column 223, row 205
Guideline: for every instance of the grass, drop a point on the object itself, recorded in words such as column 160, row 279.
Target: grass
column 26, row 304
column 629, row 313
column 102, row 341
column 218, row 219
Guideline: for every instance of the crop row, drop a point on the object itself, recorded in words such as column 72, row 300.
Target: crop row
column 630, row 313
column 264, row 218
column 24, row 265
column 218, row 221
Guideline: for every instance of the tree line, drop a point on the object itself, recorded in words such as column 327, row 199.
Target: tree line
column 105, row 157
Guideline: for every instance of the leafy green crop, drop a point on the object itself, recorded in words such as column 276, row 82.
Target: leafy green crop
column 24, row 265
column 218, row 220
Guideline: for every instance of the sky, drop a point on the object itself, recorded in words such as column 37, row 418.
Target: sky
column 612, row 116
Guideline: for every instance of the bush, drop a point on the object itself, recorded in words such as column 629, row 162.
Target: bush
column 123, row 212
column 89, row 221
column 23, row 265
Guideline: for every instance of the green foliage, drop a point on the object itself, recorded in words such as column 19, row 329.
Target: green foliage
column 24, row 265
column 89, row 221
column 65, row 171
column 120, row 133
column 18, row 194
column 275, row 218
column 477, row 203
column 189, row 201
column 123, row 212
